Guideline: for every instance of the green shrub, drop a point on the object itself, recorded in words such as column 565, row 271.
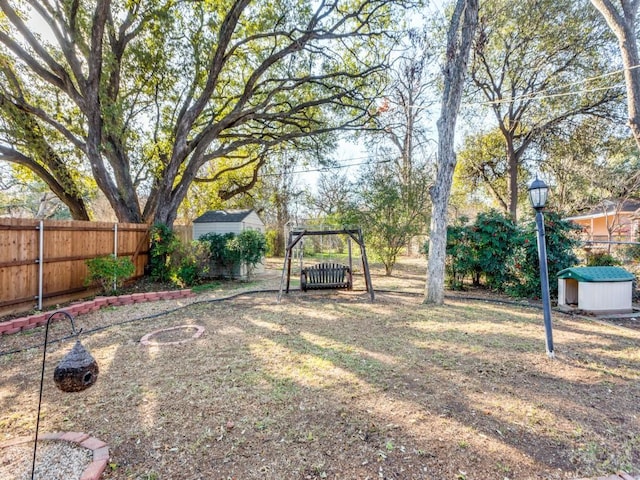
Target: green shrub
column 601, row 259
column 480, row 251
column 274, row 243
column 189, row 263
column 221, row 257
column 109, row 272
column 561, row 242
column 250, row 247
column 459, row 264
column 505, row 255
column 229, row 250
column 493, row 240
column 163, row 244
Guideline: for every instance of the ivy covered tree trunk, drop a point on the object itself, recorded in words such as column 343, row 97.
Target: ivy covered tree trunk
column 459, row 38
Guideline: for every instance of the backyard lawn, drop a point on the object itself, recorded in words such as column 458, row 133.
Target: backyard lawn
column 330, row 385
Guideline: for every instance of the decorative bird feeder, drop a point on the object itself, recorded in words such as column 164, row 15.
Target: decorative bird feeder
column 77, row 371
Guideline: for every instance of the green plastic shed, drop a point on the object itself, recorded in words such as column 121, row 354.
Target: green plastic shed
column 596, row 289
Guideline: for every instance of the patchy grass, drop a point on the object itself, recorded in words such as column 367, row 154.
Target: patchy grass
column 205, row 287
column 329, row 385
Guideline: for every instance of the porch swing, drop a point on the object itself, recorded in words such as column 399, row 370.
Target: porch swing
column 325, row 275
column 328, row 273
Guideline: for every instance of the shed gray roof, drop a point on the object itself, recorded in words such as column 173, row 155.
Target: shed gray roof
column 227, row 216
column 596, row 274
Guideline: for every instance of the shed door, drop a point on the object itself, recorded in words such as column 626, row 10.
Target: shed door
column 571, row 291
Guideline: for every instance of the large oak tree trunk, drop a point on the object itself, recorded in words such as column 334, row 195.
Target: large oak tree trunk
column 459, row 38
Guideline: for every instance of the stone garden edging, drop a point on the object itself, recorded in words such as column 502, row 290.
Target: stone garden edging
column 39, row 319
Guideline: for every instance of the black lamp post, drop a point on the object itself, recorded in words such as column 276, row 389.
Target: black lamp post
column 538, row 191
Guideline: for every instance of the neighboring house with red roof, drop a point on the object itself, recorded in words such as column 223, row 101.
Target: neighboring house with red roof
column 611, row 220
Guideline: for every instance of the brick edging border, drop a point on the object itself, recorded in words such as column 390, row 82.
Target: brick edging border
column 32, row 321
column 99, row 449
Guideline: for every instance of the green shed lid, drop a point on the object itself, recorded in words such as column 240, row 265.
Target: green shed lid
column 596, row 274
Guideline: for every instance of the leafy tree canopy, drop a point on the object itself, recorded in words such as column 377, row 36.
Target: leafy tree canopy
column 146, row 97
column 538, row 65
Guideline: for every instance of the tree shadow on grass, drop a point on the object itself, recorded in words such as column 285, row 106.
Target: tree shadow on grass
column 311, row 389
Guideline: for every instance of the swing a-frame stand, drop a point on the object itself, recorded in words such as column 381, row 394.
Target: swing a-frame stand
column 297, row 234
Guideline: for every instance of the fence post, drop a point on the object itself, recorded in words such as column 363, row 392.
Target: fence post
column 115, row 250
column 40, row 262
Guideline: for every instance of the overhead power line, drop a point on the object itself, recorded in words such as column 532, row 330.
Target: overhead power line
column 541, row 94
column 532, row 96
column 369, row 160
column 328, row 168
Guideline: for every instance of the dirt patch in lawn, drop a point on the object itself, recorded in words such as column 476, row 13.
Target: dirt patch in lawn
column 330, row 385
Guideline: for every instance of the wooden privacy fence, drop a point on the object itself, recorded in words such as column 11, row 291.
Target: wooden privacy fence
column 44, row 261
column 184, row 233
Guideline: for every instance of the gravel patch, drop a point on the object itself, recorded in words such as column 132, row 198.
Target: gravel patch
column 56, row 460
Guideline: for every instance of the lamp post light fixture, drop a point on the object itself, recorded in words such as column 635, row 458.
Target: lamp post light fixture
column 538, row 191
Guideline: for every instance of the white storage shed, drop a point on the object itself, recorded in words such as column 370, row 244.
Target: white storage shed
column 229, row 221
column 596, row 289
